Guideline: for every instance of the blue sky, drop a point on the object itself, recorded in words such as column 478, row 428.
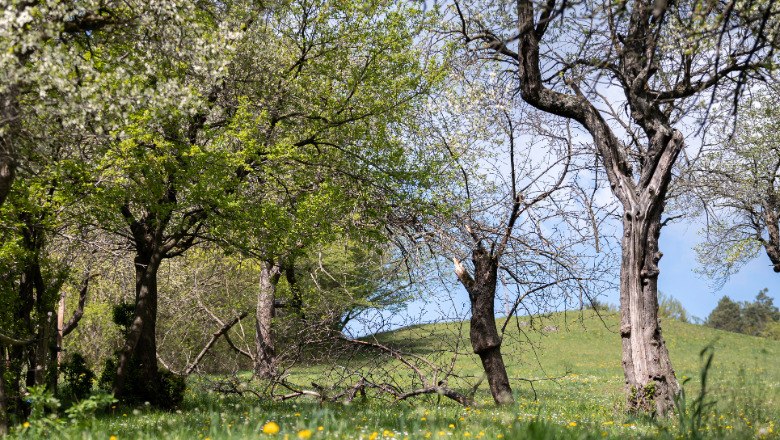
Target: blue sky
column 679, row 280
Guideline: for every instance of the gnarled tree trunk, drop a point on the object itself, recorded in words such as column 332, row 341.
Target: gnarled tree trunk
column 650, row 380
column 265, row 355
column 141, row 343
column 483, row 332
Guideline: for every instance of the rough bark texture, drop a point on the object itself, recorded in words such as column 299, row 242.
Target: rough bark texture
column 140, row 346
column 265, row 356
column 3, row 399
column 9, row 129
column 483, row 333
column 650, row 380
column 772, row 245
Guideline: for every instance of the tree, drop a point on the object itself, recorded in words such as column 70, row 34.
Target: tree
column 516, row 221
column 659, row 58
column 330, row 157
column 727, row 315
column 671, row 308
column 749, row 317
column 165, row 170
column 738, row 182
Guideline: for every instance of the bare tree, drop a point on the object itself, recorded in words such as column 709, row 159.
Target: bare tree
column 518, row 218
column 627, row 70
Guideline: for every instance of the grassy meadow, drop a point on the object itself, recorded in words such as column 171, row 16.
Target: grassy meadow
column 567, row 380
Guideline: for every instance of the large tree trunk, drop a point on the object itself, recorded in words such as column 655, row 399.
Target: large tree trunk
column 10, row 128
column 141, row 344
column 3, row 399
column 265, row 355
column 650, row 380
column 483, row 333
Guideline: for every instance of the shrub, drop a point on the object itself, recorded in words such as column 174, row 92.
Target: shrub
column 167, row 393
column 78, row 377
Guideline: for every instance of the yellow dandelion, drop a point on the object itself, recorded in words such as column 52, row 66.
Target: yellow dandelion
column 304, row 434
column 373, row 436
column 320, row 428
column 423, row 418
column 388, row 433
column 26, row 425
column 271, row 428
column 113, row 437
column 452, row 425
column 572, row 424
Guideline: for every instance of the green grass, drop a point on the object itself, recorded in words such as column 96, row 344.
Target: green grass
column 586, row 401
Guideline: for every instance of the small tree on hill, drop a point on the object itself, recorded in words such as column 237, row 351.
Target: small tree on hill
column 726, row 316
column 754, row 318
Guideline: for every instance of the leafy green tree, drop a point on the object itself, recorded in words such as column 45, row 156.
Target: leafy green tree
column 332, row 158
column 727, row 315
column 756, row 318
column 758, row 314
column 671, row 308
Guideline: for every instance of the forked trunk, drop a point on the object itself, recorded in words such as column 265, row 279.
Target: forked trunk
column 485, row 340
column 265, row 355
column 141, row 343
column 650, row 380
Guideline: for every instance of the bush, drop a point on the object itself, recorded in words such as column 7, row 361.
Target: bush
column 167, row 393
column 172, row 390
column 78, row 378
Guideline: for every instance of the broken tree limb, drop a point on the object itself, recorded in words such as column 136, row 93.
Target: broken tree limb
column 214, row 337
column 79, row 312
column 9, row 340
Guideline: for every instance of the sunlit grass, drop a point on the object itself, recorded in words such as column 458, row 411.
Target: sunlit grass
column 585, row 401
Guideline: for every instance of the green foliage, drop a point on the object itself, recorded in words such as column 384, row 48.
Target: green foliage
column 692, row 416
column 671, row 308
column 89, row 406
column 172, row 387
column 727, row 315
column 44, row 421
column 757, row 318
column 167, row 394
column 122, row 314
column 78, row 377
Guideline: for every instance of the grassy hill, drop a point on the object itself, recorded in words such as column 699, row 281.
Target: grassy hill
column 566, row 375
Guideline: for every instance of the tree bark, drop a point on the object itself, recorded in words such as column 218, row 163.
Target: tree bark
column 650, row 380
column 265, row 355
column 9, row 114
column 3, row 399
column 141, row 343
column 772, row 245
column 483, row 333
